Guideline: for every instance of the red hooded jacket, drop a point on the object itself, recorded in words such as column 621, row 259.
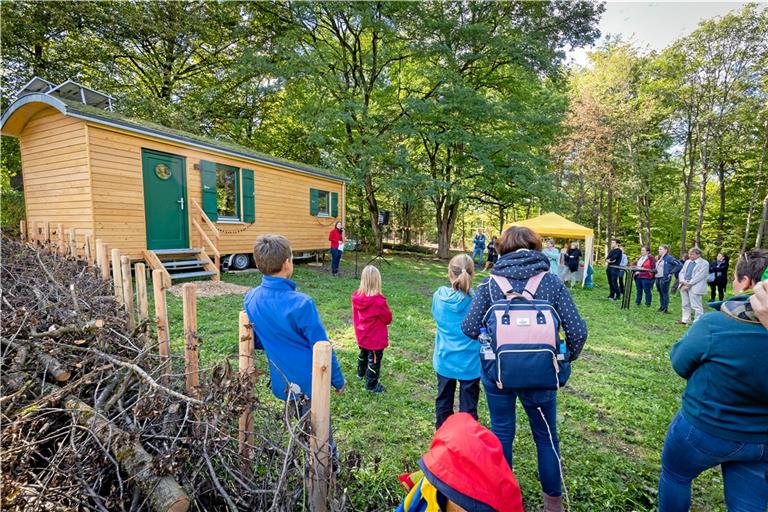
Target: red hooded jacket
column 335, row 238
column 371, row 316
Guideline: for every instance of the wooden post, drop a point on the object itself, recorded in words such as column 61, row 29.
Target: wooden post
column 23, row 231
column 88, row 253
column 247, row 369
column 73, row 243
column 47, row 237
column 60, row 236
column 117, row 276
column 35, row 234
column 102, row 259
column 125, row 265
column 190, row 338
column 161, row 317
column 140, row 271
column 320, row 417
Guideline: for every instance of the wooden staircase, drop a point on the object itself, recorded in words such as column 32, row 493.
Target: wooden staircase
column 186, row 263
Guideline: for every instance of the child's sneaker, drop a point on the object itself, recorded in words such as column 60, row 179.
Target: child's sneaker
column 378, row 389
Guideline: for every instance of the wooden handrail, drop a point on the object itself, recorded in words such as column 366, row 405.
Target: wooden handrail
column 206, row 239
column 208, row 221
column 213, row 245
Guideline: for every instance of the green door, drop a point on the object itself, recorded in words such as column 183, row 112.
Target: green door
column 165, row 200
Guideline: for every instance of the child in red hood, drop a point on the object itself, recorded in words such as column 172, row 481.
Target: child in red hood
column 371, row 316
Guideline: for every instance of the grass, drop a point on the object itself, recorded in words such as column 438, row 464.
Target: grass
column 612, row 417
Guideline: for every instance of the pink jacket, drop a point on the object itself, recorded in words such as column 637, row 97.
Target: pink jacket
column 371, row 316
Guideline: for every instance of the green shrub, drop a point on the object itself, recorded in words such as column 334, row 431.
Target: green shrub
column 11, row 210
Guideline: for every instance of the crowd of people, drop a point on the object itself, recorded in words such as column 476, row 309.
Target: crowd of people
column 503, row 336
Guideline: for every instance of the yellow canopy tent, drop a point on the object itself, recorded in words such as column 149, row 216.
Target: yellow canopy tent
column 552, row 224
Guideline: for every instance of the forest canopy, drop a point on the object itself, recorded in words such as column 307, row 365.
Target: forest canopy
column 453, row 115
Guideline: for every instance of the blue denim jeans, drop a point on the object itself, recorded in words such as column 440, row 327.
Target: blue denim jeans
column 688, row 451
column 335, row 260
column 477, row 256
column 662, row 286
column 541, row 408
column 644, row 287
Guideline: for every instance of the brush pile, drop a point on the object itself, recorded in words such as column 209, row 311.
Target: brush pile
column 89, row 423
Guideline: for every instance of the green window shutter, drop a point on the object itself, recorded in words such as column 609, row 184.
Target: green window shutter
column 314, row 201
column 334, row 204
column 249, row 210
column 208, row 174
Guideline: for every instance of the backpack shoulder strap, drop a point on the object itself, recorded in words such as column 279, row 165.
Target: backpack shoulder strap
column 532, row 286
column 504, row 285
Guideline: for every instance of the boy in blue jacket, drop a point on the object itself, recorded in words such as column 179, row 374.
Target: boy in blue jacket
column 286, row 324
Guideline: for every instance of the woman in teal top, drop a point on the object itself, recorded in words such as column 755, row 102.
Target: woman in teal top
column 553, row 255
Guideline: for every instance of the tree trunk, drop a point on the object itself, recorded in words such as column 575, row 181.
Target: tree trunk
column 373, row 210
column 689, row 161
column 763, row 225
column 702, row 204
column 609, row 217
column 446, row 222
column 501, row 219
column 756, row 190
column 721, row 216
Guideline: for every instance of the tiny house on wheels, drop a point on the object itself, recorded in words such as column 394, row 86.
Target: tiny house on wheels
column 177, row 200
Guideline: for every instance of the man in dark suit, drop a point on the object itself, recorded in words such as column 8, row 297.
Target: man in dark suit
column 613, row 258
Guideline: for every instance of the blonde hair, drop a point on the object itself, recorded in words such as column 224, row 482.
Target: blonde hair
column 370, row 281
column 461, row 268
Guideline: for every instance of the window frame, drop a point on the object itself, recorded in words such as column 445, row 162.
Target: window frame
column 327, row 193
column 238, row 203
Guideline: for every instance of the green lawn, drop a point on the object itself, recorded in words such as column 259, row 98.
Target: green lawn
column 612, row 416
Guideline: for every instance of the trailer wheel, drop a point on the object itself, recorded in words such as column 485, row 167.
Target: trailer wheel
column 239, row 262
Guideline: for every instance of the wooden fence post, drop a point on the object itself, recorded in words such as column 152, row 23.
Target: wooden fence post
column 140, row 271
column 117, row 276
column 102, row 259
column 246, row 368
column 35, row 234
column 320, row 417
column 60, row 236
column 73, row 243
column 23, row 231
column 47, row 237
column 125, row 265
column 161, row 317
column 88, row 254
column 190, row 338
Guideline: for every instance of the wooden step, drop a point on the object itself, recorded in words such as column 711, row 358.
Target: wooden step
column 183, row 263
column 187, row 275
column 176, row 252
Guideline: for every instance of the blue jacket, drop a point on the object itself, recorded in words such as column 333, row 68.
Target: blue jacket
column 671, row 266
column 518, row 266
column 286, row 323
column 456, row 355
column 722, row 356
column 479, row 242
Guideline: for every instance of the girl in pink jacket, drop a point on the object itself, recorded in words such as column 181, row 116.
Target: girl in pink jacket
column 371, row 316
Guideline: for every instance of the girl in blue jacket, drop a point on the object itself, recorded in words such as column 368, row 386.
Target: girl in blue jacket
column 456, row 357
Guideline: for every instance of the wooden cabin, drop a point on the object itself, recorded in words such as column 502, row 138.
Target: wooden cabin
column 156, row 193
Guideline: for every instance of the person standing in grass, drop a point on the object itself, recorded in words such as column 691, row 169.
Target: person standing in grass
column 723, row 419
column 613, row 258
column 336, row 237
column 553, row 255
column 719, row 268
column 645, row 278
column 479, row 248
column 371, row 316
column 457, row 357
column 520, row 259
column 666, row 266
column 492, row 254
column 572, row 259
column 693, row 285
column 287, row 325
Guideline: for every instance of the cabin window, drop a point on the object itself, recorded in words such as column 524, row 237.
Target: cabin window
column 227, row 192
column 323, row 203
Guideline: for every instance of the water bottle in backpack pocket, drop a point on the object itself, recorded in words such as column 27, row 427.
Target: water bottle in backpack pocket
column 523, row 334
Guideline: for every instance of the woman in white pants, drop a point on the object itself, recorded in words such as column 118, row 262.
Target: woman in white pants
column 693, row 285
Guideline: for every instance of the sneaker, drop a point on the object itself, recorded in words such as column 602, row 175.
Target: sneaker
column 378, row 389
column 681, row 322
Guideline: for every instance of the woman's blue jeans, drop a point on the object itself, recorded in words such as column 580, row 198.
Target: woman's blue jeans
column 688, row 451
column 335, row 260
column 541, row 408
column 644, row 286
column 662, row 285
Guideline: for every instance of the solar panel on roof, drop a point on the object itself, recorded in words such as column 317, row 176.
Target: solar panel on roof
column 36, row 85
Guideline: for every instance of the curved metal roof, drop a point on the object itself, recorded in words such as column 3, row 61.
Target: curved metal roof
column 156, row 131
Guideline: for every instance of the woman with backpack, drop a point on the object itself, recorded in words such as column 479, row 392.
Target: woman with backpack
column 524, row 270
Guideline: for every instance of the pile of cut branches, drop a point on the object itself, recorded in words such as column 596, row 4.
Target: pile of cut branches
column 88, row 423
